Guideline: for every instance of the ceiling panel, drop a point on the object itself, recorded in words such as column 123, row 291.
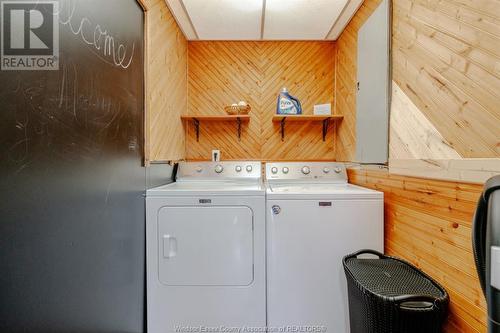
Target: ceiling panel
column 182, row 18
column 280, row 19
column 301, row 19
column 350, row 9
column 225, row 19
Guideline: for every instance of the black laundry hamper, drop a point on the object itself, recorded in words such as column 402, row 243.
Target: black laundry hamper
column 388, row 295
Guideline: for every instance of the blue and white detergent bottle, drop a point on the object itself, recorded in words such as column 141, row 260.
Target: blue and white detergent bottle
column 287, row 104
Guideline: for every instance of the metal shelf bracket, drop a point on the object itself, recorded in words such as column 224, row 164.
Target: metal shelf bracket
column 196, row 123
column 326, row 124
column 238, row 123
column 283, row 121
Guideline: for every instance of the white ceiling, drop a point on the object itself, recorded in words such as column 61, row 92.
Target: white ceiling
column 263, row 19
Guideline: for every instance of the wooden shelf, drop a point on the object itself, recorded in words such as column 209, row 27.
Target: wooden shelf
column 196, row 119
column 300, row 117
column 242, row 117
column 283, row 118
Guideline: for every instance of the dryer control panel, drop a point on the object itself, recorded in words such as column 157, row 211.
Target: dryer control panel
column 220, row 170
column 328, row 172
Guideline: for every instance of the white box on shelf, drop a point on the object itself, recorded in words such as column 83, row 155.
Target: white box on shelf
column 215, row 155
column 323, row 109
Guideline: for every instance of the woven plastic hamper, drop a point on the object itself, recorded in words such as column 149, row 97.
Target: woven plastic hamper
column 388, row 295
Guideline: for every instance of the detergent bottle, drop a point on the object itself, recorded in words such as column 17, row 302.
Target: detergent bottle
column 287, row 104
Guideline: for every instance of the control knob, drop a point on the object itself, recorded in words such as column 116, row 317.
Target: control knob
column 249, row 168
column 238, row 168
column 338, row 170
column 219, row 168
column 306, row 170
column 286, row 170
column 274, row 170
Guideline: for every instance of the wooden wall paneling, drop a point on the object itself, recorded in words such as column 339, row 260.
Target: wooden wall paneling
column 307, row 70
column 146, row 142
column 166, row 83
column 222, row 73
column 428, row 223
column 412, row 134
column 445, row 59
column 476, row 170
column 345, row 92
column 444, row 95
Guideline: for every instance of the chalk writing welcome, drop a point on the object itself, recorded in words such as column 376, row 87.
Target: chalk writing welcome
column 105, row 45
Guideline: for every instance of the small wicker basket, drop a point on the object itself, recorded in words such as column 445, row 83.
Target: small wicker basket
column 237, row 109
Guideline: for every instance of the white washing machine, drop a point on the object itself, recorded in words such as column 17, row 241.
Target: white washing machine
column 314, row 218
column 206, row 249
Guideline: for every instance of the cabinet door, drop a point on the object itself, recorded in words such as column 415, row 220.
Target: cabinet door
column 205, row 246
column 372, row 103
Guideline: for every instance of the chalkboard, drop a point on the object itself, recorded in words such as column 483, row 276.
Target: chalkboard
column 72, row 180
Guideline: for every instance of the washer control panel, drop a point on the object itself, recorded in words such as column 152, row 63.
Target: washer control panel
column 219, row 170
column 307, row 171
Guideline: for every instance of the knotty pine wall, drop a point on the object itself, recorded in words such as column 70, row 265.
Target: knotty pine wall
column 446, row 80
column 166, row 84
column 428, row 223
column 222, row 73
column 446, row 62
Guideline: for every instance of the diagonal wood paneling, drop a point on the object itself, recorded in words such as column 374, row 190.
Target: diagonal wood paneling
column 221, row 73
column 428, row 222
column 307, row 70
column 412, row 134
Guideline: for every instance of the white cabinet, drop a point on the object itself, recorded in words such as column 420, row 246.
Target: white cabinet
column 372, row 100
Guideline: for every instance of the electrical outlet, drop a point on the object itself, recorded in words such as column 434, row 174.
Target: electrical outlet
column 215, row 155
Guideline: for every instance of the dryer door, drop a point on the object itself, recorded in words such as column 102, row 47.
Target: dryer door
column 205, row 246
